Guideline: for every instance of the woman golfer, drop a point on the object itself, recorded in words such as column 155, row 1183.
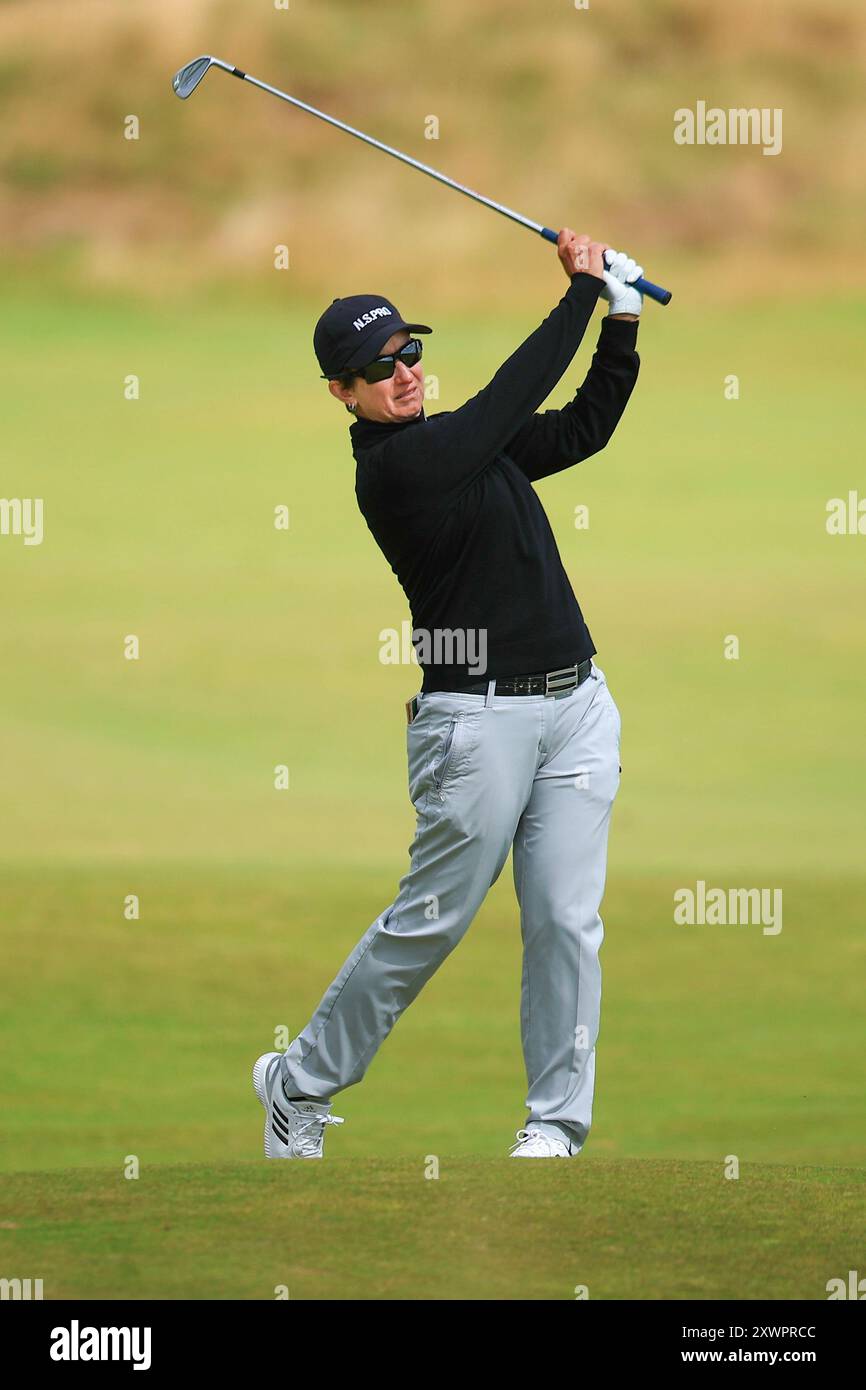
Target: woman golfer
column 513, row 740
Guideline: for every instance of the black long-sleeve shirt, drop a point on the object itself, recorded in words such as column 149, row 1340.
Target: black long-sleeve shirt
column 450, row 502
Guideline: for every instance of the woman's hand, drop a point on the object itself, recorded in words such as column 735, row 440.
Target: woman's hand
column 580, row 253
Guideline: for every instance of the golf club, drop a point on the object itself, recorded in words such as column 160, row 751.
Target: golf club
column 188, row 78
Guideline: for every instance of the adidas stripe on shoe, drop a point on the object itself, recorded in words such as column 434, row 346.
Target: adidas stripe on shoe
column 293, row 1129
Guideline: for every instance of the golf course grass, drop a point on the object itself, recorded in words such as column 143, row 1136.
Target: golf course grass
column 377, row 1228
column 132, row 1031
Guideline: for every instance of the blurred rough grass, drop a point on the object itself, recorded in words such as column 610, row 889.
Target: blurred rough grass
column 565, row 114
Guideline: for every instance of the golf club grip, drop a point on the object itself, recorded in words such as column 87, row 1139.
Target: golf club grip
column 645, row 286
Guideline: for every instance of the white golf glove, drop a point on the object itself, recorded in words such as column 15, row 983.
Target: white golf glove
column 621, row 295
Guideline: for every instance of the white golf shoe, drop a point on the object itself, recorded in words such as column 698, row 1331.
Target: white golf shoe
column 293, row 1129
column 531, row 1143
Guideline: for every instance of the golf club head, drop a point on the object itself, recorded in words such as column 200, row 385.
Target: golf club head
column 186, row 81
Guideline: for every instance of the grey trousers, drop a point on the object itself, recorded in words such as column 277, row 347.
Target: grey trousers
column 539, row 773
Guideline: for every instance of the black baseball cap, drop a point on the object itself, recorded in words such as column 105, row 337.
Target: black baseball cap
column 352, row 332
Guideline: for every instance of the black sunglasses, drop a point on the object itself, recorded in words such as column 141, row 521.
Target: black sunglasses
column 384, row 367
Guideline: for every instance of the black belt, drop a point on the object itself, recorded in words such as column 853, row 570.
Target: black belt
column 544, row 683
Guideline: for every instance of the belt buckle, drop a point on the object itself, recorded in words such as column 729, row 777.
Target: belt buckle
column 563, row 679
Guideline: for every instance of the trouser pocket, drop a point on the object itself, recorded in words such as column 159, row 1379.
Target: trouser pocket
column 447, row 753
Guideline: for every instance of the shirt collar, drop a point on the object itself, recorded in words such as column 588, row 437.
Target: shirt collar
column 365, row 434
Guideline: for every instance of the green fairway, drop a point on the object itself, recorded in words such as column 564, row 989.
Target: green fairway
column 260, row 647
column 378, row 1229
column 139, row 1037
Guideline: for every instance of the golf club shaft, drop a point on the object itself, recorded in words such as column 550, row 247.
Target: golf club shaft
column 645, row 286
column 398, row 154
